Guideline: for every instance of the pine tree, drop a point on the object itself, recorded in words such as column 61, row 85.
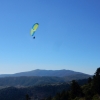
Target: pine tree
column 75, row 90
column 96, row 81
column 27, row 97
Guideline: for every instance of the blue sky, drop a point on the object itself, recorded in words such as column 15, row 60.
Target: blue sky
column 68, row 36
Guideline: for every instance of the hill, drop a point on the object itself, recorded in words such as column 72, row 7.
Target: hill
column 38, row 72
column 42, row 91
column 39, row 91
column 36, row 80
column 40, row 77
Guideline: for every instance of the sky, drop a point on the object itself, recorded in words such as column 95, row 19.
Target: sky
column 68, row 36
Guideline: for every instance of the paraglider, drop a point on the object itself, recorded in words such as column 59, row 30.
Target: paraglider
column 33, row 29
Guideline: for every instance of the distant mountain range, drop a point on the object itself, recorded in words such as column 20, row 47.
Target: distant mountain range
column 38, row 72
column 38, row 77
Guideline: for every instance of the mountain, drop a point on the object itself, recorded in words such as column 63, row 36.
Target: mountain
column 40, row 77
column 38, row 72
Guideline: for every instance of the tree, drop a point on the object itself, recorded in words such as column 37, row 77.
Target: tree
column 49, row 98
column 27, row 97
column 97, row 73
column 75, row 90
column 89, row 80
column 96, row 81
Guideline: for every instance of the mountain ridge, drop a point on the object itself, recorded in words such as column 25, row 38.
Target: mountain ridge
column 43, row 72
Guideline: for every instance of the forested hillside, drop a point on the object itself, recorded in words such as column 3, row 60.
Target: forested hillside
column 84, row 89
column 89, row 91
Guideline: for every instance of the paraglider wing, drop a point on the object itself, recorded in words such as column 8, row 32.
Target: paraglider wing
column 34, row 28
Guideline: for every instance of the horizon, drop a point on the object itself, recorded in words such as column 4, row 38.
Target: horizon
column 68, row 36
column 45, row 70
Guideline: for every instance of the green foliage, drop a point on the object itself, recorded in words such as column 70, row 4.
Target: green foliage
column 64, row 95
column 89, row 91
column 27, row 97
column 96, row 97
column 96, row 81
column 42, row 91
column 76, row 90
column 49, row 98
column 89, row 80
